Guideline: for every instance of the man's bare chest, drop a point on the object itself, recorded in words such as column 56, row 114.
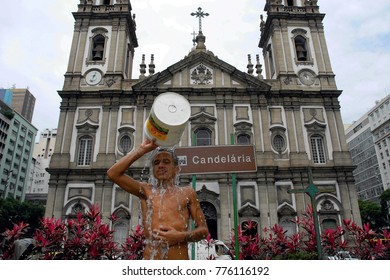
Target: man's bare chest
column 168, row 201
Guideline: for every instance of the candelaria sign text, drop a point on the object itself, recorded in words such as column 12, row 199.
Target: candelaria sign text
column 216, row 159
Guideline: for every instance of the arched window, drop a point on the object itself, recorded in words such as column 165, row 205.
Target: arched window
column 329, row 224
column 121, row 226
column 286, row 213
column 203, row 137
column 98, row 47
column 121, row 232
column 301, row 48
column 85, row 151
column 249, row 228
column 210, row 213
column 244, row 139
column 288, row 225
column 317, row 148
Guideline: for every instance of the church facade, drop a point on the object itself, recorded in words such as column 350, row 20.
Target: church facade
column 291, row 117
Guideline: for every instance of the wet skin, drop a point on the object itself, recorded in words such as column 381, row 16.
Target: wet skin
column 166, row 208
column 166, row 213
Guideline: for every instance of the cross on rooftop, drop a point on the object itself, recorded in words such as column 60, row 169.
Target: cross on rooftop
column 199, row 14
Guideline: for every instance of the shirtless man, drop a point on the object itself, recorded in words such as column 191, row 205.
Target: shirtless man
column 166, row 208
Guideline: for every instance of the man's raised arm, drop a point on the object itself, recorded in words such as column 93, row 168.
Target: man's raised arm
column 117, row 172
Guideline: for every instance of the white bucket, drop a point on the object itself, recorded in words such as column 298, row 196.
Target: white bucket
column 167, row 119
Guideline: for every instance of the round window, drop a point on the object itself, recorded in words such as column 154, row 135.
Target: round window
column 279, row 143
column 243, row 139
column 125, row 144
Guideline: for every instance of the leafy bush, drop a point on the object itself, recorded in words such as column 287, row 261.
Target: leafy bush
column 134, row 247
column 364, row 243
column 10, row 237
column 86, row 237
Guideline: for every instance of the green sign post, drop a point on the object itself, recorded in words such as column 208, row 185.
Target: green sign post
column 235, row 208
column 194, row 188
column 312, row 191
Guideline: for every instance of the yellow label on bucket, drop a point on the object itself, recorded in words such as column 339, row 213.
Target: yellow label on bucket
column 155, row 130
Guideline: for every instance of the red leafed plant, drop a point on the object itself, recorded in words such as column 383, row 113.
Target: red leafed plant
column 273, row 243
column 86, row 237
column 332, row 241
column 368, row 244
column 82, row 238
column 134, row 247
column 50, row 239
column 242, row 242
column 10, row 236
column 306, row 223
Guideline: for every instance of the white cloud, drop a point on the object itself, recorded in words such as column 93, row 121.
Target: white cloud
column 12, row 53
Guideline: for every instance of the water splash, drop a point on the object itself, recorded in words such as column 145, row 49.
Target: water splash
column 160, row 249
column 143, row 171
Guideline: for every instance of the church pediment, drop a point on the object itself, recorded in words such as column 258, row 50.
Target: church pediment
column 87, row 127
column 248, row 210
column 201, row 70
column 203, row 117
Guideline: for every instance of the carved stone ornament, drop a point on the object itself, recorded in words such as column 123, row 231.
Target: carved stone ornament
column 88, row 113
column 327, row 205
column 111, row 81
column 287, row 80
column 201, row 75
column 78, row 208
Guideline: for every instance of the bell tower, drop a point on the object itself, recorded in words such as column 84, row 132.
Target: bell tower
column 98, row 76
column 102, row 50
column 294, row 45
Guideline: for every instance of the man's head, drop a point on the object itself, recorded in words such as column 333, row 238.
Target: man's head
column 169, row 151
column 164, row 164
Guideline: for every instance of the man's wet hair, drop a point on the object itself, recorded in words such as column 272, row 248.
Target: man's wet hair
column 168, row 150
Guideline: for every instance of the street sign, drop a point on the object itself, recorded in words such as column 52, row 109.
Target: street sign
column 216, row 159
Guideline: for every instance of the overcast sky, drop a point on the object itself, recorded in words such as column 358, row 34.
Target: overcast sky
column 36, row 37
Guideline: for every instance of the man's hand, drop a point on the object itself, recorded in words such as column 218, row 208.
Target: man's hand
column 169, row 235
column 148, row 145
